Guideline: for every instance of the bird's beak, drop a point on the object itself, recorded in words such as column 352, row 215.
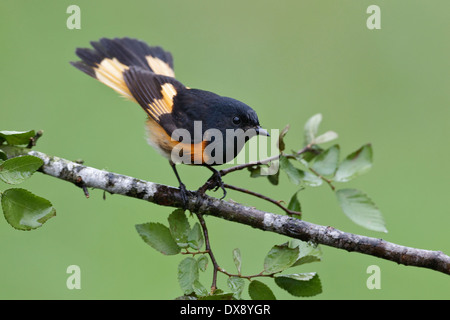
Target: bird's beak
column 262, row 132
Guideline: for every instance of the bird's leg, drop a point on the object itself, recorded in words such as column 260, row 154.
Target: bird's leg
column 216, row 181
column 183, row 190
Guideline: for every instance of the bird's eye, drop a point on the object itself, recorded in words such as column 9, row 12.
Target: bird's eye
column 236, row 120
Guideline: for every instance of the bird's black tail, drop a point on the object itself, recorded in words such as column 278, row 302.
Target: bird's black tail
column 109, row 58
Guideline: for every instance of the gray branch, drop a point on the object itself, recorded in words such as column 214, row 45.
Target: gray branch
column 88, row 177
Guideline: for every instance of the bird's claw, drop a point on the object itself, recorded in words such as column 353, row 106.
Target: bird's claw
column 215, row 182
column 184, row 195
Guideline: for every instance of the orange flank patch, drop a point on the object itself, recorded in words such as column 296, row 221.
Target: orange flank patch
column 164, row 144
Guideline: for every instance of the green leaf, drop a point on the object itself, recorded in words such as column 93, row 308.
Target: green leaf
column 236, row 285
column 326, row 163
column 298, row 276
column 255, row 171
column 279, row 258
column 195, row 238
column 355, row 164
column 274, row 178
column 199, row 289
column 300, row 285
column 202, row 262
column 311, row 128
column 294, row 204
column 17, row 137
column 325, row 137
column 237, row 259
column 361, row 209
column 188, row 274
column 158, row 237
column 281, row 145
column 179, row 227
column 311, row 179
column 16, row 170
column 308, row 252
column 25, row 211
column 294, row 174
column 260, row 291
column 3, row 155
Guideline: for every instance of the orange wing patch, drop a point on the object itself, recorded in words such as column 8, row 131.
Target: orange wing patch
column 160, row 67
column 110, row 72
column 164, row 105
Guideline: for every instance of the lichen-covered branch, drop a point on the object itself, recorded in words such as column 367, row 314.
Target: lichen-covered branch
column 88, row 177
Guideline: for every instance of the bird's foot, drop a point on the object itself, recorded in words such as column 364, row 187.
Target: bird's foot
column 215, row 182
column 184, row 195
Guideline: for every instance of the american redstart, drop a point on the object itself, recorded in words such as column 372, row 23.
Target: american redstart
column 185, row 125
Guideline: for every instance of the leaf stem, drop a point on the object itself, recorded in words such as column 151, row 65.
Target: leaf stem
column 261, row 274
column 195, row 252
column 209, row 251
column 323, row 178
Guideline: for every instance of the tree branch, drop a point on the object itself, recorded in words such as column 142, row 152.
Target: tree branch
column 88, row 177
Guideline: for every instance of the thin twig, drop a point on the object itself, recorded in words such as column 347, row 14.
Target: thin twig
column 261, row 274
column 209, row 251
column 33, row 140
column 194, row 253
column 226, row 171
column 261, row 196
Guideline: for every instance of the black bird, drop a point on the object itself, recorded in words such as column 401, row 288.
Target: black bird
column 185, row 125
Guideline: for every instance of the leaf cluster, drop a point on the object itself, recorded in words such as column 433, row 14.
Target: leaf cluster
column 314, row 166
column 179, row 238
column 22, row 209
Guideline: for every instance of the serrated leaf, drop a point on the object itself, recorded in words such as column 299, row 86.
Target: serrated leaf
column 187, row 274
column 25, row 211
column 279, row 258
column 17, row 137
column 236, row 285
column 195, row 238
column 199, row 289
column 300, row 286
column 326, row 162
column 179, row 227
column 298, row 276
column 294, row 174
column 311, row 128
column 158, row 237
column 202, row 262
column 361, row 209
column 325, row 137
column 237, row 259
column 281, row 145
column 260, row 291
column 16, row 170
column 355, row 164
column 311, row 179
column 308, row 252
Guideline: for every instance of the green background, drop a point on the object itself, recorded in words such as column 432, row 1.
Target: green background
column 286, row 59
